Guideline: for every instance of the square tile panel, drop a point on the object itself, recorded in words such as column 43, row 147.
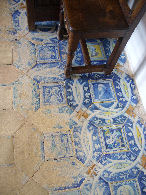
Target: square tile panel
column 130, row 187
column 57, row 145
column 47, row 53
column 96, row 50
column 102, row 91
column 113, row 139
column 52, row 94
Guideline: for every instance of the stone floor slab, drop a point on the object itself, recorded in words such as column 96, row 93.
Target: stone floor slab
column 5, row 53
column 6, row 97
column 10, row 121
column 27, row 149
column 5, row 18
column 50, row 122
column 9, row 74
column 31, row 187
column 63, row 174
column 11, row 179
column 6, row 150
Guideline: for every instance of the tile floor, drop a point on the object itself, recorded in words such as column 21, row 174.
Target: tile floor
column 80, row 136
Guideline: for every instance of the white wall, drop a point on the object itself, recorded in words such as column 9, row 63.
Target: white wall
column 136, row 53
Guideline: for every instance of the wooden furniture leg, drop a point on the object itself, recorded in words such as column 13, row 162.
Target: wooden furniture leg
column 115, row 54
column 72, row 46
column 61, row 27
column 85, row 52
column 119, row 47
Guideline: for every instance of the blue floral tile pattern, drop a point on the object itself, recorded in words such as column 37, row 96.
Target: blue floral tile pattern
column 56, row 145
column 102, row 91
column 53, row 94
column 129, row 187
column 93, row 140
column 47, row 53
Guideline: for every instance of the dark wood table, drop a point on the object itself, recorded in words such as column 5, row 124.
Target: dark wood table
column 87, row 19
column 42, row 10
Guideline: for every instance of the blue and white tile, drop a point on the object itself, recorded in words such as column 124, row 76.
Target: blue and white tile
column 68, row 172
column 19, row 17
column 23, row 95
column 57, row 145
column 112, row 95
column 50, row 110
column 24, row 54
column 125, row 187
column 100, row 186
column 50, row 60
column 142, row 181
column 78, row 94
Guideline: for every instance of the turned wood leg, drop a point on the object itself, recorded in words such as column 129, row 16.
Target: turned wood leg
column 72, row 46
column 61, row 27
column 85, row 52
column 120, row 44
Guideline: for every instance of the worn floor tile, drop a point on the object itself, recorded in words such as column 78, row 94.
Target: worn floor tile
column 63, row 174
column 24, row 54
column 6, row 150
column 5, row 18
column 22, row 95
column 9, row 74
column 10, row 121
column 27, row 149
column 31, row 187
column 49, row 122
column 11, row 180
column 6, row 97
column 82, row 136
column 5, row 53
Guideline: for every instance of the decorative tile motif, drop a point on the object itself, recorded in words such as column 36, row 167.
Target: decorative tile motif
column 20, row 21
column 102, row 91
column 114, row 139
column 68, row 173
column 96, row 50
column 113, row 94
column 85, row 138
column 53, row 94
column 24, row 55
column 125, row 187
column 106, row 140
column 78, row 94
column 47, row 53
column 56, row 145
